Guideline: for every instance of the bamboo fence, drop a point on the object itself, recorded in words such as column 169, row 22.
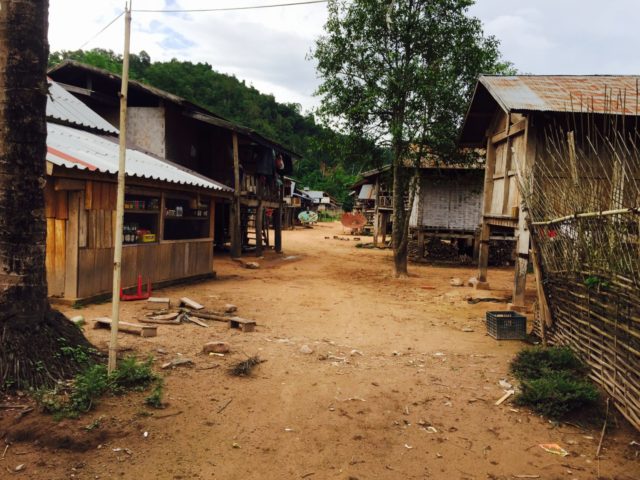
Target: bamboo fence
column 582, row 200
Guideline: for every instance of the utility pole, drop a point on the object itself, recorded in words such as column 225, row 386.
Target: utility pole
column 117, row 251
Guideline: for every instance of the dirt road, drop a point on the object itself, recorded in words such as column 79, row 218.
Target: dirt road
column 400, row 384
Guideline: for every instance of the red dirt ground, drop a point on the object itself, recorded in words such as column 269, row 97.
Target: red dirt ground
column 390, row 358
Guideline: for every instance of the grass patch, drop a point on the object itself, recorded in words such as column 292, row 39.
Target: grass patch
column 83, row 392
column 553, row 381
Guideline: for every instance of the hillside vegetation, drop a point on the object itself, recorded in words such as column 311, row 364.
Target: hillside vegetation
column 331, row 161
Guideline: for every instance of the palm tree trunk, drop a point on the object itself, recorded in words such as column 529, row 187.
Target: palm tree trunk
column 31, row 334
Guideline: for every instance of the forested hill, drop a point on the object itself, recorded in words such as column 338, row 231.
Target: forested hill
column 330, row 161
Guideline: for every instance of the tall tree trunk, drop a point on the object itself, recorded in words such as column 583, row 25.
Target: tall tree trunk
column 399, row 227
column 31, row 333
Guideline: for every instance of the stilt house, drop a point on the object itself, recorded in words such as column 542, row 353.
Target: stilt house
column 169, row 219
column 563, row 174
column 171, row 127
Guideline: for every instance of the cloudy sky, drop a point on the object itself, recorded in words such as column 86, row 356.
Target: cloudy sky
column 268, row 47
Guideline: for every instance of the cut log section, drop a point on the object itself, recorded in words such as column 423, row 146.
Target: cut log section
column 133, row 328
column 187, row 302
column 210, row 316
column 242, row 323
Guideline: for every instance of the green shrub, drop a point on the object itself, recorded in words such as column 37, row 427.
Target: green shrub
column 557, row 394
column 155, row 398
column 553, row 381
column 89, row 385
column 131, row 375
column 537, row 362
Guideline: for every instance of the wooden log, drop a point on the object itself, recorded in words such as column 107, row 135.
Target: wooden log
column 187, row 302
column 133, row 328
column 242, row 323
column 209, row 316
column 186, row 318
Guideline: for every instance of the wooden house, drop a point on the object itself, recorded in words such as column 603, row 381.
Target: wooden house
column 169, row 220
column 171, row 127
column 446, row 213
column 295, row 201
column 373, row 198
column 510, row 116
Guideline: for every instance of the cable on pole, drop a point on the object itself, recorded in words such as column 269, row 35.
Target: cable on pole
column 227, row 9
column 103, row 29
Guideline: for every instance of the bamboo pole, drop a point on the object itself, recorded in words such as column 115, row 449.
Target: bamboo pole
column 117, row 251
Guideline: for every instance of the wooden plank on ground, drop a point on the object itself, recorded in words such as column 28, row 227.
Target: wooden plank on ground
column 158, row 303
column 187, row 302
column 244, row 324
column 133, row 328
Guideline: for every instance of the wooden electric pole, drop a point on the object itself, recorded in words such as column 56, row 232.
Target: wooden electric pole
column 117, row 251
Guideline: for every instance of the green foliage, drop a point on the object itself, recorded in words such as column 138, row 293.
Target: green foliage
column 330, row 162
column 553, row 381
column 81, row 355
column 557, row 394
column 537, row 362
column 94, row 382
column 154, row 400
column 400, row 75
column 132, row 375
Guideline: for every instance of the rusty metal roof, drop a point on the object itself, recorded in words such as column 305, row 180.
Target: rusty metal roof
column 73, row 148
column 612, row 94
column 63, row 106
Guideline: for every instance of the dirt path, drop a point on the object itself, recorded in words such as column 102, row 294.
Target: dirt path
column 390, row 359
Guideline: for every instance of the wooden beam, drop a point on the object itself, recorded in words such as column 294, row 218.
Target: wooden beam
column 234, row 227
column 258, row 227
column 68, row 184
column 483, row 251
column 510, row 131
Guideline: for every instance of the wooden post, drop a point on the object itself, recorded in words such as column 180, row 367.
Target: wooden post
column 522, row 262
column 236, row 236
column 277, row 223
column 383, row 227
column 117, row 251
column 376, row 213
column 258, row 224
column 420, row 244
column 483, row 255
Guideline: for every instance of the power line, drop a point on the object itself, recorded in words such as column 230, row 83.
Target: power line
column 103, row 29
column 254, row 7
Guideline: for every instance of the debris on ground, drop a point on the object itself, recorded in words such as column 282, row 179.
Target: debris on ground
column 554, row 448
column 245, row 367
column 158, row 303
column 177, row 362
column 456, row 282
column 502, row 399
column 252, row 265
column 306, row 349
column 133, row 328
column 230, row 308
column 216, row 347
column 187, row 302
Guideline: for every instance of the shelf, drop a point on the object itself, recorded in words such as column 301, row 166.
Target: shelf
column 132, row 210
column 186, row 218
column 140, row 244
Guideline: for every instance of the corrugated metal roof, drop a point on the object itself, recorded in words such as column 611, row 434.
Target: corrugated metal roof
column 63, row 106
column 565, row 93
column 72, row 148
column 367, row 192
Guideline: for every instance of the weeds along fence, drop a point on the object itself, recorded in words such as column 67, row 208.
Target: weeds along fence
column 582, row 197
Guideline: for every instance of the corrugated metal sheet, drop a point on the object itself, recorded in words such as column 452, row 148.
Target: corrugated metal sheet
column 565, row 93
column 62, row 105
column 72, row 148
column 367, row 192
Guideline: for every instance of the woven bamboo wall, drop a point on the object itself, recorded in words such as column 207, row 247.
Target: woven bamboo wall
column 602, row 324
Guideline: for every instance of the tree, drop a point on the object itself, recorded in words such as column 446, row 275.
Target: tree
column 400, row 73
column 32, row 335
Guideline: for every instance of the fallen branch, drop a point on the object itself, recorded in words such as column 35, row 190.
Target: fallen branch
column 221, row 409
column 604, row 429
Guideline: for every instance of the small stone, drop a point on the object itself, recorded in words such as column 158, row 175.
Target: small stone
column 456, row 282
column 230, row 308
column 216, row 347
column 467, row 329
column 19, row 468
column 356, row 352
column 252, row 265
column 306, row 349
column 78, row 320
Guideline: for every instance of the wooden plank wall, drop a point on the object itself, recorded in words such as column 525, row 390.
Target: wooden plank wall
column 56, row 213
column 159, row 262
